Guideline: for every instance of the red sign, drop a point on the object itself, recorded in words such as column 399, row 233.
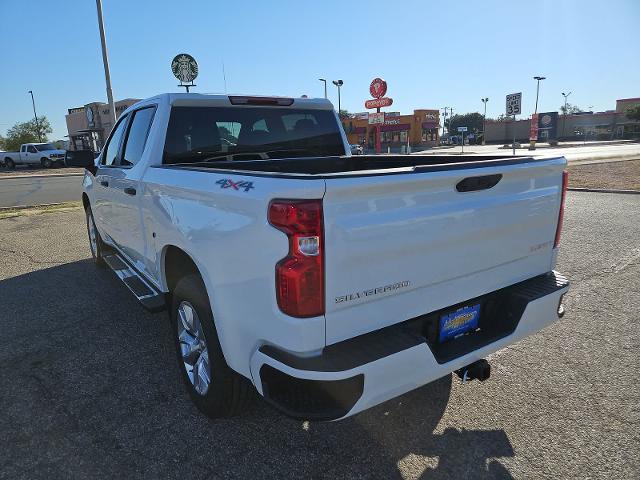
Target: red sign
column 378, row 102
column 378, row 88
column 533, row 129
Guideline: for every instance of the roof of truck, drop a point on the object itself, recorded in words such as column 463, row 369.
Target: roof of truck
column 217, row 99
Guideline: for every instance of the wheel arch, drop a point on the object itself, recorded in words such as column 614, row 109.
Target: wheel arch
column 85, row 200
column 176, row 263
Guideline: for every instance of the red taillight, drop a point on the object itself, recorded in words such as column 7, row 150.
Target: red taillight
column 300, row 275
column 265, row 101
column 565, row 183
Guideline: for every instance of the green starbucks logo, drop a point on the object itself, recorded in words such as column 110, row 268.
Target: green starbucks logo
column 184, row 67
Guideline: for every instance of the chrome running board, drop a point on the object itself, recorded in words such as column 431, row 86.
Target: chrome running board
column 148, row 295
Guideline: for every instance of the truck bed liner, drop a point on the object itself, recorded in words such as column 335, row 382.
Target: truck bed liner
column 361, row 164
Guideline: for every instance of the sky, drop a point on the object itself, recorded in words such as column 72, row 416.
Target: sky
column 432, row 54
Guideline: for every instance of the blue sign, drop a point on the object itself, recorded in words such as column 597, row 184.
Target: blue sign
column 547, row 126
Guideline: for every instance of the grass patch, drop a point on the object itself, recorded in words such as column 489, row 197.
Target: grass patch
column 38, row 210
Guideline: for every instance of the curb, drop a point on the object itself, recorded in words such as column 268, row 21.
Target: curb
column 39, row 205
column 44, row 175
column 603, row 190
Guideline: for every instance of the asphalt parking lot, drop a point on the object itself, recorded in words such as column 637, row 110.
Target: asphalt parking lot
column 89, row 384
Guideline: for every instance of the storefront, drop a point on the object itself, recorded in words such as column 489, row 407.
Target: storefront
column 418, row 130
column 89, row 126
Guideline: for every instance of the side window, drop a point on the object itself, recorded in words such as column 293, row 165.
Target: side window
column 137, row 136
column 32, row 149
column 23, row 148
column 110, row 153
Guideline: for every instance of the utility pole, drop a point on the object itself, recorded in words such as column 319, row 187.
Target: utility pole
column 444, row 120
column 33, row 102
column 564, row 118
column 105, row 61
column 325, row 86
column 484, row 120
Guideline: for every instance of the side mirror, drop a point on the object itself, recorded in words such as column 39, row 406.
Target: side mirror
column 81, row 158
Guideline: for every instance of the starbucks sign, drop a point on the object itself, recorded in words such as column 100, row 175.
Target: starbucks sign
column 184, row 67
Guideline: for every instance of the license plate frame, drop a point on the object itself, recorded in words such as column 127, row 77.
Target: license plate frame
column 459, row 321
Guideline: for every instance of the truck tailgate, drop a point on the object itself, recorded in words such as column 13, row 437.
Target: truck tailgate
column 401, row 245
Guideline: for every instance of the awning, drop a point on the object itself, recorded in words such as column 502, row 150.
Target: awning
column 427, row 125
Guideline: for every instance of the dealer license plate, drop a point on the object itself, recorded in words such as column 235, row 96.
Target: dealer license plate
column 458, row 322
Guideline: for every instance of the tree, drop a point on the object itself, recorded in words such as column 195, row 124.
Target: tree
column 570, row 109
column 27, row 132
column 473, row 122
column 501, row 118
column 345, row 114
column 2, row 142
column 633, row 113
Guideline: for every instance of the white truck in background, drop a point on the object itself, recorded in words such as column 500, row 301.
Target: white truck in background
column 44, row 154
column 328, row 283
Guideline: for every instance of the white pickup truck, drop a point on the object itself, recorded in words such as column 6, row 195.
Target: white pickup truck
column 327, row 282
column 43, row 154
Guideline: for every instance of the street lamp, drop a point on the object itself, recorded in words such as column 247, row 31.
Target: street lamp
column 325, row 86
column 564, row 118
column 484, row 120
column 532, row 143
column 33, row 102
column 105, row 61
column 338, row 83
column 539, row 79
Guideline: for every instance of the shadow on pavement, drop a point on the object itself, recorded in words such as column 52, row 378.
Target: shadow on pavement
column 89, row 387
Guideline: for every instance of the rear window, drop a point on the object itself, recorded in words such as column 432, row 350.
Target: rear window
column 197, row 134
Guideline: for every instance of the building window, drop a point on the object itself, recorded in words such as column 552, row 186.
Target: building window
column 429, row 135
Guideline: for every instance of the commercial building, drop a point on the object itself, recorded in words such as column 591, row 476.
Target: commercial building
column 89, row 126
column 607, row 125
column 418, row 130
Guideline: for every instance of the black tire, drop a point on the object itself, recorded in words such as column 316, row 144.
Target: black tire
column 97, row 254
column 229, row 393
column 9, row 164
column 46, row 162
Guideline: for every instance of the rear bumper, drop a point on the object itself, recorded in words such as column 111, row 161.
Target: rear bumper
column 351, row 376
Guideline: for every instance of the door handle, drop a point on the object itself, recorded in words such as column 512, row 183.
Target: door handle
column 104, row 183
column 473, row 184
column 130, row 191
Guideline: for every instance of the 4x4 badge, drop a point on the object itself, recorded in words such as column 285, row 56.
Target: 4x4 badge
column 228, row 183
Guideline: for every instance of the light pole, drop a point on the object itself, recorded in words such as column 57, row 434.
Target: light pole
column 33, row 102
column 325, row 86
column 532, row 143
column 105, row 61
column 338, row 83
column 484, row 120
column 564, row 118
column 539, row 79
